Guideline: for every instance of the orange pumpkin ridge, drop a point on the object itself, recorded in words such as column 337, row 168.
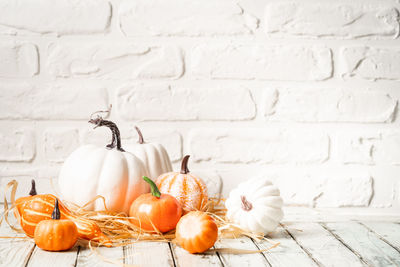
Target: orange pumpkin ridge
column 33, row 209
column 56, row 234
column 155, row 210
column 189, row 190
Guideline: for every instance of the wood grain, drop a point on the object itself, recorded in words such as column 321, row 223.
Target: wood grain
column 240, row 260
column 389, row 232
column 149, row 254
column 367, row 244
column 184, row 258
column 288, row 251
column 322, row 246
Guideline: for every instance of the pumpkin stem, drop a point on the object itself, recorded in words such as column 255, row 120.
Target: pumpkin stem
column 246, row 205
column 116, row 137
column 56, row 212
column 33, row 188
column 184, row 167
column 141, row 140
column 154, row 189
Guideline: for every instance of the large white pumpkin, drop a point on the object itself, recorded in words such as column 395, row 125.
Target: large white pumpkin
column 107, row 171
column 153, row 155
column 255, row 205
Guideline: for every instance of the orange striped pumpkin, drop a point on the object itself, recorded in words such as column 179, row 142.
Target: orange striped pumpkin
column 188, row 189
column 35, row 208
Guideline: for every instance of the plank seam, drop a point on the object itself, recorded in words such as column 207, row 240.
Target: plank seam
column 30, row 255
column 77, row 256
column 172, row 253
column 301, row 246
column 220, row 259
column 346, row 245
column 262, row 253
column 380, row 237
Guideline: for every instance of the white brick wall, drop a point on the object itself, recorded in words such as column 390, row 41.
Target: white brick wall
column 305, row 92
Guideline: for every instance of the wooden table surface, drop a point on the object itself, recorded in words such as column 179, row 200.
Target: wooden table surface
column 351, row 243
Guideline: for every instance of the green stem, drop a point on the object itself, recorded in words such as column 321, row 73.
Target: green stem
column 154, row 189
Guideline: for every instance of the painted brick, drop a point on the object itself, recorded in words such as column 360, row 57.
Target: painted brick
column 370, row 63
column 18, row 60
column 331, row 105
column 170, row 103
column 387, row 150
column 327, row 191
column 59, row 143
column 55, row 16
column 258, row 145
column 339, row 19
column 17, row 144
column 23, row 101
column 114, row 60
column 287, row 62
column 183, row 18
column 355, row 148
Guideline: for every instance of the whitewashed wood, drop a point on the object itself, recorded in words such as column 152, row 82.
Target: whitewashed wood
column 40, row 258
column 390, row 232
column 240, row 260
column 184, row 258
column 366, row 243
column 149, row 254
column 14, row 252
column 322, row 245
column 287, row 253
column 101, row 256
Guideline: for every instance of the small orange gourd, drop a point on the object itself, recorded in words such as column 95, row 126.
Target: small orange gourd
column 196, row 232
column 35, row 208
column 155, row 210
column 56, row 234
column 188, row 189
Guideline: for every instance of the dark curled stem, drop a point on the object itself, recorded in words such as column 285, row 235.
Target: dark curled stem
column 116, row 137
column 184, row 167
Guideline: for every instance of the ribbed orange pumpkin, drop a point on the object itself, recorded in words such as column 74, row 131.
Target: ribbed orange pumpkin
column 196, row 232
column 35, row 208
column 189, row 190
column 56, row 234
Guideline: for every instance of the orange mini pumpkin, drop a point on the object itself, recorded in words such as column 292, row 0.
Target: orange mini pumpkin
column 155, row 210
column 188, row 189
column 56, row 234
column 196, row 232
column 35, row 208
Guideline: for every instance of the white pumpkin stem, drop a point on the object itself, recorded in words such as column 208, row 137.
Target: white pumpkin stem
column 116, row 137
column 246, row 205
column 141, row 140
column 33, row 188
column 184, row 167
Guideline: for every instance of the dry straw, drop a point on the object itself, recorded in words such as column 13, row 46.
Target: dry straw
column 122, row 232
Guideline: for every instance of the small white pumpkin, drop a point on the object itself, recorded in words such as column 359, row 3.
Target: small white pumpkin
column 107, row 171
column 255, row 205
column 153, row 155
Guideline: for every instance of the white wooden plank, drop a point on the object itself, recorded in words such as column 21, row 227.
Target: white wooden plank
column 287, row 252
column 148, row 254
column 366, row 243
column 322, row 245
column 14, row 252
column 184, row 258
column 41, row 258
column 390, row 232
column 240, row 260
column 101, row 256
